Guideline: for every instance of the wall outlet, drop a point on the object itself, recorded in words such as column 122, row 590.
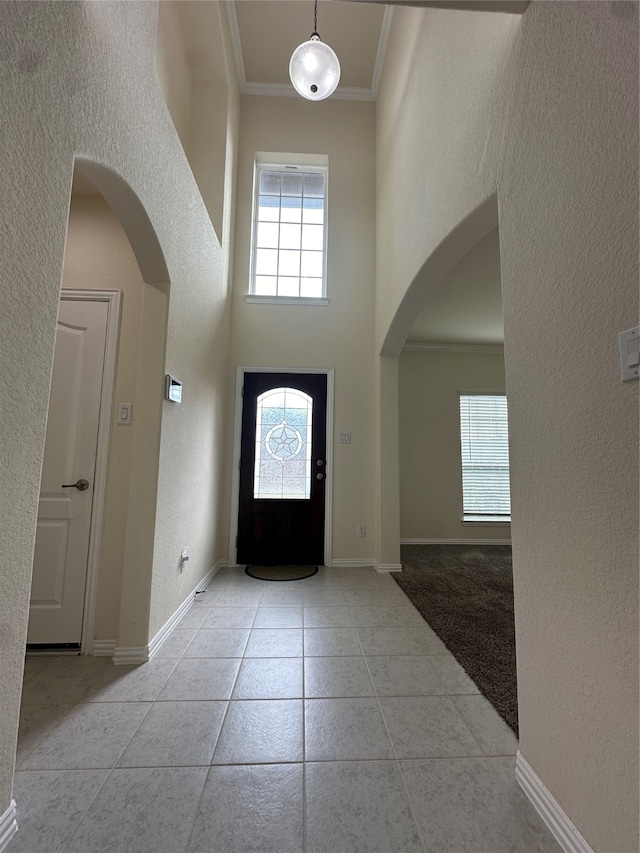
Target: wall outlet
column 361, row 530
column 185, row 556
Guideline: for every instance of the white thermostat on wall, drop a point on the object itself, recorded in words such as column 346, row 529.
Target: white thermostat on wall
column 173, row 389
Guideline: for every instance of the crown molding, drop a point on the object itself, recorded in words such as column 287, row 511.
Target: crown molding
column 286, row 90
column 236, row 43
column 480, row 348
column 381, row 53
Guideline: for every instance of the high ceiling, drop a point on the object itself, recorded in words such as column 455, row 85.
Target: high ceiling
column 266, row 32
column 467, row 307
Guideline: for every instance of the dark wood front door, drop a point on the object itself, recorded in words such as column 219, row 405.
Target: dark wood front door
column 282, row 469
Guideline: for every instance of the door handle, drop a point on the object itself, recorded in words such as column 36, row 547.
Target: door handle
column 80, row 485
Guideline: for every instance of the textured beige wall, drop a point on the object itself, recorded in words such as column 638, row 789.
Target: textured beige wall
column 430, row 464
column 339, row 335
column 196, row 73
column 79, row 79
column 566, row 178
column 98, row 256
column 195, row 434
column 439, row 120
column 569, row 234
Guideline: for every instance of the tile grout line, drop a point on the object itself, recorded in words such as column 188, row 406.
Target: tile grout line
column 398, row 764
column 304, row 739
column 75, row 829
column 110, row 770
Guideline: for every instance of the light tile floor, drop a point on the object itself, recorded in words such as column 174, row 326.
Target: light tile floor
column 318, row 715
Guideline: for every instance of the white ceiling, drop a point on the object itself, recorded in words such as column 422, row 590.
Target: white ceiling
column 467, row 307
column 266, row 32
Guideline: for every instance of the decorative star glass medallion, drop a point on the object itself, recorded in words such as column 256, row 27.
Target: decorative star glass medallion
column 283, row 442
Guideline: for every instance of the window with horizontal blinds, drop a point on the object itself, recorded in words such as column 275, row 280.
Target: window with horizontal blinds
column 484, row 443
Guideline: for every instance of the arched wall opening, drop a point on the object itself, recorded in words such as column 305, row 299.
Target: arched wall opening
column 112, row 248
column 458, row 242
column 455, row 347
column 440, row 262
column 132, row 216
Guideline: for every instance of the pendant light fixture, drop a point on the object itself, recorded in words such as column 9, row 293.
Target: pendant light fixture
column 314, row 68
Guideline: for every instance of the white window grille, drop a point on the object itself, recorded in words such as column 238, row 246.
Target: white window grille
column 289, row 232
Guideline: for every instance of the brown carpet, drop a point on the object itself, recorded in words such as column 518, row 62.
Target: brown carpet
column 465, row 592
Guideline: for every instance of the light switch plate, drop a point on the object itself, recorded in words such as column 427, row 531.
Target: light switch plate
column 630, row 354
column 124, row 413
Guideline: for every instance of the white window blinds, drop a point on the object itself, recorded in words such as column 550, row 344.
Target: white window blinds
column 485, row 458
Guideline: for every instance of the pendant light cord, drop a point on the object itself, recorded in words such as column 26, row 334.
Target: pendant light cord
column 315, row 20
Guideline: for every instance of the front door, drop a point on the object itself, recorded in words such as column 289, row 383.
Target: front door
column 66, row 490
column 282, row 469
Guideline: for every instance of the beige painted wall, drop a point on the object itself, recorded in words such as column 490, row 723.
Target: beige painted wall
column 172, row 69
column 439, row 122
column 196, row 73
column 565, row 171
column 339, row 335
column 430, row 463
column 79, row 80
column 568, row 196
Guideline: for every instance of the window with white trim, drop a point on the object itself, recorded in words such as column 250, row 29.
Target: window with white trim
column 288, row 258
column 484, row 441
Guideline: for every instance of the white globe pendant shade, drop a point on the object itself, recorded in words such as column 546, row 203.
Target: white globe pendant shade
column 314, row 69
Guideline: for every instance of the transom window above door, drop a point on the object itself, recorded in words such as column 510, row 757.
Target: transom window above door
column 288, row 257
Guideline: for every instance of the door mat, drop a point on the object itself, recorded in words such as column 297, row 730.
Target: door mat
column 280, row 573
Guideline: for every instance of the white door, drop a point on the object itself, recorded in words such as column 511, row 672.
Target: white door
column 64, row 515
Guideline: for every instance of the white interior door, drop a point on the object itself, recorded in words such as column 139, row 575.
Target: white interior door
column 64, row 515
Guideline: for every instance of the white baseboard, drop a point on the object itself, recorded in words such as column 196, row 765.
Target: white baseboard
column 385, row 568
column 547, row 807
column 130, row 655
column 104, row 648
column 455, row 541
column 353, row 563
column 133, row 655
column 173, row 620
column 8, row 825
column 365, row 562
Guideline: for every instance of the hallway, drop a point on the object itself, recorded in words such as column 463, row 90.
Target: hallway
column 317, row 715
